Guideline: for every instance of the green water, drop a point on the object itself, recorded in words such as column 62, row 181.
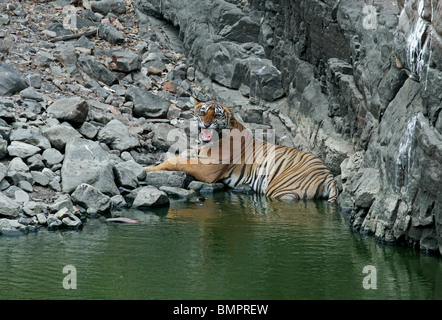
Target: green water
column 232, row 247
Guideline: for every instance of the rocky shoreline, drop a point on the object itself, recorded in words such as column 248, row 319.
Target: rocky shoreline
column 85, row 104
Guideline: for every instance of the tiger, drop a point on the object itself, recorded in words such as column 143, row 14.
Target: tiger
column 276, row 171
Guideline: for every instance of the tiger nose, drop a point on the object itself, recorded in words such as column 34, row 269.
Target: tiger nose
column 207, row 124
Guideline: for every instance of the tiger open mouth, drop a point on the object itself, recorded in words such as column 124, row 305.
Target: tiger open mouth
column 207, row 134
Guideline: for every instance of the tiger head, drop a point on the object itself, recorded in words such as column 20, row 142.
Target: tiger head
column 212, row 117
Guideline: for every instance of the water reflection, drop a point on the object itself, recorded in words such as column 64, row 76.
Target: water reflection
column 231, row 246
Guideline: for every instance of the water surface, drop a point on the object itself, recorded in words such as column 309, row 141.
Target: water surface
column 233, row 246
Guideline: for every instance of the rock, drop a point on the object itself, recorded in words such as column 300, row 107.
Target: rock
column 244, row 30
column 64, row 201
column 60, row 135
column 33, row 136
column 92, row 199
column 97, row 70
column 110, row 33
column 67, row 218
column 178, row 192
column 86, row 162
column 150, row 197
column 117, row 136
column 205, row 187
column 11, row 82
column 165, row 136
column 146, row 104
column 33, row 208
column 53, row 222
column 30, row 93
column 108, row 6
column 168, row 178
column 8, row 207
column 126, row 61
column 34, row 80
column 52, row 156
column 73, row 110
column 128, row 173
column 22, row 150
column 11, row 227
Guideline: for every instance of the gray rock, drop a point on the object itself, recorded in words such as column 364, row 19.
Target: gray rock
column 178, row 192
column 126, row 61
column 31, row 93
column 52, row 156
column 53, row 222
column 108, row 6
column 33, row 136
column 117, row 136
column 67, row 218
column 34, row 80
column 92, row 199
column 150, row 197
column 64, row 201
column 146, row 104
column 168, row 178
column 33, row 208
column 205, row 187
column 40, row 178
column 128, row 174
column 86, row 162
column 97, row 70
column 73, row 110
column 110, row 33
column 8, row 206
column 22, row 150
column 3, row 148
column 165, row 136
column 60, row 135
column 11, row 227
column 11, row 82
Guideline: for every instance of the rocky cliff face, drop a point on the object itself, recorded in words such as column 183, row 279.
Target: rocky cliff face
column 358, row 83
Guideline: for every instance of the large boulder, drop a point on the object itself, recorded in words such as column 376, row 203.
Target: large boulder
column 86, row 162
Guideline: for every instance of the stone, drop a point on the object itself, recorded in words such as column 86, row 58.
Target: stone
column 73, row 110
column 85, row 161
column 165, row 136
column 97, row 70
column 33, row 208
column 205, row 187
column 128, row 174
column 117, row 136
column 8, row 207
column 92, row 199
column 150, row 197
column 108, row 6
column 110, row 33
column 126, row 61
column 60, row 135
column 52, row 156
column 67, row 218
column 22, row 149
column 11, row 82
column 178, row 192
column 64, row 201
column 10, row 227
column 168, row 178
column 147, row 104
column 30, row 93
column 33, row 136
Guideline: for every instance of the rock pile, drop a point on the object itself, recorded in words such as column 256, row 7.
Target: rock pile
column 85, row 104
